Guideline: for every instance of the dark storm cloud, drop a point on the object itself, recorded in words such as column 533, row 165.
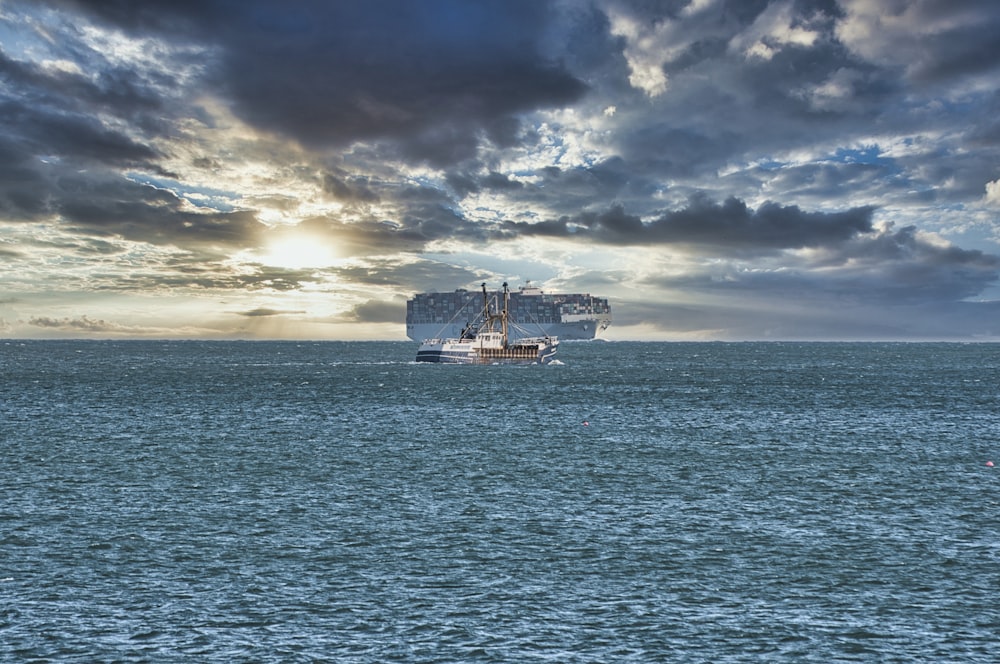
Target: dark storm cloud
column 338, row 72
column 64, row 139
column 22, row 186
column 345, row 188
column 729, row 227
column 81, row 138
column 970, row 50
column 565, row 190
column 823, row 182
column 733, row 224
column 898, row 266
column 738, row 87
column 464, row 184
column 55, row 113
column 938, row 41
column 96, row 202
column 126, row 92
column 888, row 266
column 350, row 71
column 144, row 213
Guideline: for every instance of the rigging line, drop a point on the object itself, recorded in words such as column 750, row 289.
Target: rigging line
column 534, row 320
column 461, row 309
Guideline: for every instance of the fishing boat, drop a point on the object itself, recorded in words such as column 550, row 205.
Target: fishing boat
column 492, row 338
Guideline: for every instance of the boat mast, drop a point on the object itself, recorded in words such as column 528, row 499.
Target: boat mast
column 503, row 316
column 486, row 309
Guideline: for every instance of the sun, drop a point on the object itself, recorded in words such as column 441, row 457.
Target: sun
column 296, row 252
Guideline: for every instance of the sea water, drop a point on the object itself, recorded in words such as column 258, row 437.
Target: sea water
column 296, row 502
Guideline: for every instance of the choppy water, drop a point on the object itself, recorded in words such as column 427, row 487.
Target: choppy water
column 273, row 502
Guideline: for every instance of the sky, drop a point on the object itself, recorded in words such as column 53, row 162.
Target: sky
column 718, row 169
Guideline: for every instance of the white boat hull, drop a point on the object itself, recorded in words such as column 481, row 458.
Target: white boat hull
column 472, row 351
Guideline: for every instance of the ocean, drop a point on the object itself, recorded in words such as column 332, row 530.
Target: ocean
column 179, row 501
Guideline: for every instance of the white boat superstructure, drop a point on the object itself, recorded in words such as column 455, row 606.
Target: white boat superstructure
column 495, row 340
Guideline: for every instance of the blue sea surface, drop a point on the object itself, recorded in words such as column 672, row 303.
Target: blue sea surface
column 637, row 502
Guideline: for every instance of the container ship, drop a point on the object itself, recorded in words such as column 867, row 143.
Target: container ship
column 562, row 315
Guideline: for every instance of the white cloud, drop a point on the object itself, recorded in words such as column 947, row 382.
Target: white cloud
column 992, row 196
column 647, row 47
column 652, row 43
column 775, row 27
column 62, row 66
column 697, row 6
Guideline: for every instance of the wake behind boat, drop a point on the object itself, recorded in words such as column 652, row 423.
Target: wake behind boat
column 494, row 338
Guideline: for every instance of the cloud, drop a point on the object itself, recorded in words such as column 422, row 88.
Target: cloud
column 194, row 273
column 10, row 253
column 144, row 213
column 647, row 48
column 410, row 275
column 86, row 326
column 752, row 153
column 69, row 138
column 992, row 196
column 773, row 320
column 264, row 311
column 886, row 266
column 81, row 323
column 68, row 115
column 335, row 73
column 778, row 26
column 379, row 311
column 409, row 219
column 729, row 227
column 348, row 189
column 933, row 41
